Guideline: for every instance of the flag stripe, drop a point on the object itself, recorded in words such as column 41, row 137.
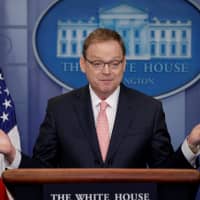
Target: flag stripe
column 3, row 193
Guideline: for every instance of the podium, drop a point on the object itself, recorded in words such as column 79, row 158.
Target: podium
column 170, row 183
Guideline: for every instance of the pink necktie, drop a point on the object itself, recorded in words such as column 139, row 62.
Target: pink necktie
column 102, row 128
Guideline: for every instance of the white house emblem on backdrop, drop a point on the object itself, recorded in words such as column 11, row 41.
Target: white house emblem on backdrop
column 144, row 39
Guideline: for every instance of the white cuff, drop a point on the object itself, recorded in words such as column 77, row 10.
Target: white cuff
column 16, row 162
column 189, row 155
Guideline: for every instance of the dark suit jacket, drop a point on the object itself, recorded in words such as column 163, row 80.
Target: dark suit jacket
column 139, row 139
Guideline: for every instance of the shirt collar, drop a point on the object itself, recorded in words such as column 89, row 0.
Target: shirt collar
column 111, row 100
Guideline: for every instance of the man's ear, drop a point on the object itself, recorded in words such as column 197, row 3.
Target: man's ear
column 82, row 64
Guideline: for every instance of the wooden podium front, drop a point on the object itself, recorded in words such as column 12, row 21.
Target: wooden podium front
column 168, row 180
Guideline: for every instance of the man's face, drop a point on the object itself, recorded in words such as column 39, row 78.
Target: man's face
column 104, row 78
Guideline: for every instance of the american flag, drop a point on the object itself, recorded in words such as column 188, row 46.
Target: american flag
column 7, row 108
column 8, row 125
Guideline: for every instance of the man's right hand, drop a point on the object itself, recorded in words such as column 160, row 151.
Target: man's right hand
column 6, row 147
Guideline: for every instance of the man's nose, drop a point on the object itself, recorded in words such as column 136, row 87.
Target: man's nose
column 106, row 68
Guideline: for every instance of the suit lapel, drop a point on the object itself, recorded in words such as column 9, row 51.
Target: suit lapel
column 84, row 112
column 122, row 122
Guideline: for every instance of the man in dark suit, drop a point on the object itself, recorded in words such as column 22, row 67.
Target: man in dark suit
column 136, row 130
column 137, row 140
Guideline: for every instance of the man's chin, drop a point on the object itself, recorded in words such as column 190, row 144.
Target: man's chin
column 107, row 91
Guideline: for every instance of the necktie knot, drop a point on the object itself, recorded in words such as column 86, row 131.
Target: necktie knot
column 103, row 105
